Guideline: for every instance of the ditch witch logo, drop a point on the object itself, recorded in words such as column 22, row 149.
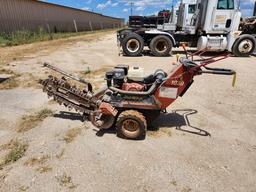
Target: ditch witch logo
column 178, row 81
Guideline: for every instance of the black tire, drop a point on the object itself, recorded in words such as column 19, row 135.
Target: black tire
column 133, row 44
column 131, row 124
column 161, row 46
column 125, row 32
column 240, row 47
column 151, row 116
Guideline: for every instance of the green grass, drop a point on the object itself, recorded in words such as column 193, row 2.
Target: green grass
column 26, row 37
column 16, row 149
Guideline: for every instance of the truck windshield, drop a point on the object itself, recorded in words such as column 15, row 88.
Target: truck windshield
column 191, row 9
column 225, row 4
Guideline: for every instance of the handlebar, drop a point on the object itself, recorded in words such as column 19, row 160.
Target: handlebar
column 187, row 62
column 197, row 69
column 219, row 71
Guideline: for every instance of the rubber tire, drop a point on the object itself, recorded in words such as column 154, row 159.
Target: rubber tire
column 129, row 37
column 235, row 49
column 151, row 116
column 153, row 44
column 134, row 115
column 126, row 32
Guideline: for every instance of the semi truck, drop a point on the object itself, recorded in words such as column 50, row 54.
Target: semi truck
column 214, row 25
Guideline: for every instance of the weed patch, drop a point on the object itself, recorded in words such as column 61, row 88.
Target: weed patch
column 6, row 71
column 36, row 161
column 11, row 82
column 72, row 134
column 44, row 169
column 155, row 132
column 17, row 150
column 186, row 189
column 66, row 181
column 174, row 183
column 39, row 161
column 28, row 122
column 29, row 80
column 24, row 188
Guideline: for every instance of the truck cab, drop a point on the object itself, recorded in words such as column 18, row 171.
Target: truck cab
column 216, row 23
column 217, row 16
column 180, row 16
column 185, row 13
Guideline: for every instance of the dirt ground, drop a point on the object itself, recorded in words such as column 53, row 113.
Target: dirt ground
column 207, row 141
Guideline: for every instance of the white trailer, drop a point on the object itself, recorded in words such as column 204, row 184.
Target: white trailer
column 213, row 26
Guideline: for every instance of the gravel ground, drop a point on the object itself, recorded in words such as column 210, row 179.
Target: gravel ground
column 207, row 142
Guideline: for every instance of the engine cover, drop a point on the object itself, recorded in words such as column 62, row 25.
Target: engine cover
column 132, row 87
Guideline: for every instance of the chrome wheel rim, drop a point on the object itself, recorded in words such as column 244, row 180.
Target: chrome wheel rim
column 133, row 45
column 245, row 46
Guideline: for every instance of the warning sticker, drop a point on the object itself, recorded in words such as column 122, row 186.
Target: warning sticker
column 169, row 92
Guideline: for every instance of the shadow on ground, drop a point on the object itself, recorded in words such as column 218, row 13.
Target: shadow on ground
column 69, row 116
column 181, row 52
column 206, row 54
column 146, row 53
column 178, row 119
column 3, row 79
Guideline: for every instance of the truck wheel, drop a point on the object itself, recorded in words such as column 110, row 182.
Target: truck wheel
column 131, row 124
column 161, row 46
column 124, row 33
column 133, row 44
column 244, row 46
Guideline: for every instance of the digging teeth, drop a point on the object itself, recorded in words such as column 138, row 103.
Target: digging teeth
column 62, row 91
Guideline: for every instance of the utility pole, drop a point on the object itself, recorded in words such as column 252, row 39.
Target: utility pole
column 254, row 12
column 131, row 3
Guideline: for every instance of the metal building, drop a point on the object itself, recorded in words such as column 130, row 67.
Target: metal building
column 32, row 15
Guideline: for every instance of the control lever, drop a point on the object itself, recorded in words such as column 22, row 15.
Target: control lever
column 221, row 71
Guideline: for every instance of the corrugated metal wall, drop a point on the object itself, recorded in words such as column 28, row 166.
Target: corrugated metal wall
column 31, row 15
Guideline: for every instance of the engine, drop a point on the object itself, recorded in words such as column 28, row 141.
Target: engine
column 133, row 87
column 133, row 79
column 119, row 78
